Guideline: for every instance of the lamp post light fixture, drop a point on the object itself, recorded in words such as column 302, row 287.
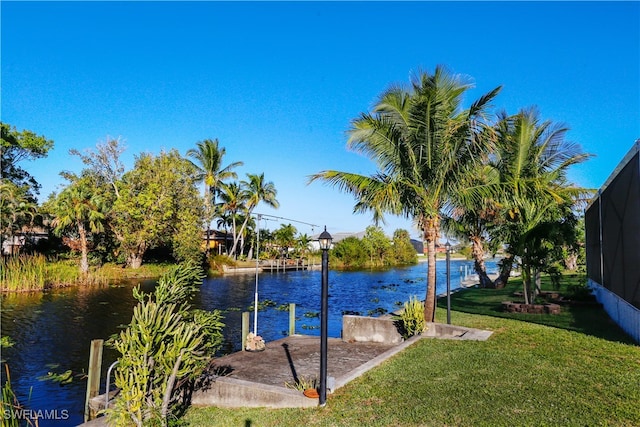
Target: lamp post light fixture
column 448, row 248
column 325, row 243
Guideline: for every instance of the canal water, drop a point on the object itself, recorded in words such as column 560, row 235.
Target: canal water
column 51, row 331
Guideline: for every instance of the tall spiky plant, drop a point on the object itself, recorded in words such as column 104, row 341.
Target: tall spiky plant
column 165, row 342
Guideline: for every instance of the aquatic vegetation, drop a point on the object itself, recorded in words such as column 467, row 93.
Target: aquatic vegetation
column 264, row 304
column 6, row 342
column 23, row 273
column 64, row 378
column 378, row 311
column 35, row 273
column 351, row 313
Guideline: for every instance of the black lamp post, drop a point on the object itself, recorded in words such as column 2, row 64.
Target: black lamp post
column 448, row 248
column 325, row 242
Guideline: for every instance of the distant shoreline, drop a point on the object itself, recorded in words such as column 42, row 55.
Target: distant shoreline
column 424, row 258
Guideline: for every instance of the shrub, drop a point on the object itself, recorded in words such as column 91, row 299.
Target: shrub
column 166, row 342
column 579, row 292
column 411, row 321
column 351, row 252
column 403, row 251
column 217, row 263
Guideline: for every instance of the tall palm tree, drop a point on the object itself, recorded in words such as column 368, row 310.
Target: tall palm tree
column 422, row 142
column 77, row 207
column 532, row 160
column 256, row 190
column 208, row 156
column 232, row 203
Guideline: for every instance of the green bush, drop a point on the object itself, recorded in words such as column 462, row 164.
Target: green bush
column 466, row 251
column 217, row 263
column 411, row 321
column 579, row 292
column 403, row 251
column 351, row 253
column 165, row 343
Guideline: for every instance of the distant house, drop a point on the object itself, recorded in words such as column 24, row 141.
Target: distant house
column 612, row 225
column 12, row 245
column 219, row 241
column 418, row 245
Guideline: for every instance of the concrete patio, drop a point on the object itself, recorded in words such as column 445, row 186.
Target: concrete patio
column 257, row 379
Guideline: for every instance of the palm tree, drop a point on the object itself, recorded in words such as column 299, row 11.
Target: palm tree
column 78, row 208
column 212, row 174
column 17, row 209
column 232, row 203
column 302, row 244
column 422, row 142
column 256, row 190
column 532, row 159
column 285, row 238
column 471, row 215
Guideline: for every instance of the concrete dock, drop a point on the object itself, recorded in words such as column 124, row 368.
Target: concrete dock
column 257, row 379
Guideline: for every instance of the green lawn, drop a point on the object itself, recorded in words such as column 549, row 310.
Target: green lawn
column 575, row 369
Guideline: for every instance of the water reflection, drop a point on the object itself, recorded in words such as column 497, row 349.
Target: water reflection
column 52, row 330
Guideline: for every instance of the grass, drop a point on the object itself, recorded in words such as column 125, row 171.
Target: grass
column 583, row 318
column 27, row 273
column 573, row 369
column 146, row 271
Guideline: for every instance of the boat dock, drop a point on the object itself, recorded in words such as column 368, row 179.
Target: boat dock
column 259, row 379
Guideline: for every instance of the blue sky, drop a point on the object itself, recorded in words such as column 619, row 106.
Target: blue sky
column 279, row 82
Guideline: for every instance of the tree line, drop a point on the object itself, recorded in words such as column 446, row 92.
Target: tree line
column 109, row 214
column 374, row 250
column 119, row 215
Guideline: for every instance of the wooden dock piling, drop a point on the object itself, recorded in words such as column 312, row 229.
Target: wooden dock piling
column 292, row 319
column 93, row 377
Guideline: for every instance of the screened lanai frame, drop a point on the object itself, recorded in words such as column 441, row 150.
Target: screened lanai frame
column 612, row 226
column 612, row 223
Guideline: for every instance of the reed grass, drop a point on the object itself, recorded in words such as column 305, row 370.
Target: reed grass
column 11, row 407
column 26, row 273
column 23, row 273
